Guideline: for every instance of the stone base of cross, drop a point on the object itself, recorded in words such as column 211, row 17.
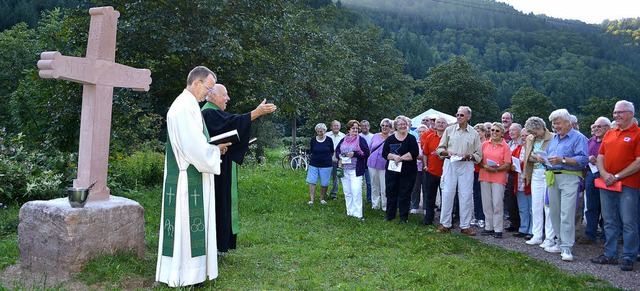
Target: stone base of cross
column 100, row 74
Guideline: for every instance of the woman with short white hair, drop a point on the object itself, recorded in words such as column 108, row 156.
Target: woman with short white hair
column 320, row 163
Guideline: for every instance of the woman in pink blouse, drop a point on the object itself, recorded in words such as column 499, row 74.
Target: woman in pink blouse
column 496, row 161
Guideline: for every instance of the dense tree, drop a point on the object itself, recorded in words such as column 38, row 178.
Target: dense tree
column 458, row 83
column 528, row 102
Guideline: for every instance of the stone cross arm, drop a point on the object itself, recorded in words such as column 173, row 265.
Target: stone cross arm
column 92, row 71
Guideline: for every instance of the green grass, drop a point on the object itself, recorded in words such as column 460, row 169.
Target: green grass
column 286, row 244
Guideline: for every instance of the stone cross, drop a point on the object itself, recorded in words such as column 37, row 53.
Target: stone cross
column 99, row 73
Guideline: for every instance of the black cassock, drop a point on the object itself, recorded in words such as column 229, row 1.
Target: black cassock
column 218, row 122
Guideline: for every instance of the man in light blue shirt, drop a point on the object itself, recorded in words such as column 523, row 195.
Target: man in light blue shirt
column 567, row 155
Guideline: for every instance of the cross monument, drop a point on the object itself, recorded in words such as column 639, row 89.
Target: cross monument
column 99, row 73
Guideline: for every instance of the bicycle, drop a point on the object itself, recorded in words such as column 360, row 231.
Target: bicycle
column 297, row 158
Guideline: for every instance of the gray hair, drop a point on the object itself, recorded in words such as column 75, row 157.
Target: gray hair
column 560, row 113
column 627, row 104
column 335, row 121
column 467, row 108
column 387, row 121
column 534, row 123
column 516, row 125
column 321, row 126
column 573, row 119
column 398, row 118
column 422, row 126
column 200, row 73
column 603, row 119
column 498, row 125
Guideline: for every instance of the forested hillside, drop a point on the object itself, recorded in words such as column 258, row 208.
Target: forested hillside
column 569, row 61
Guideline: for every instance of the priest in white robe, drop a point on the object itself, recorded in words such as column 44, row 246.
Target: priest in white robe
column 187, row 251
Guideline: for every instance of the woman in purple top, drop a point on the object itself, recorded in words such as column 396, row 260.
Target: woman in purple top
column 592, row 215
column 377, row 166
column 352, row 152
column 320, row 164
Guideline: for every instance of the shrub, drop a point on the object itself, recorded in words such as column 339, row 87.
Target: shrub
column 32, row 174
column 144, row 168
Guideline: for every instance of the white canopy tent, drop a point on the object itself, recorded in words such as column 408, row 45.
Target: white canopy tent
column 432, row 113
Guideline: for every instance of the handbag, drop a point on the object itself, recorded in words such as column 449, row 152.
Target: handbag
column 339, row 170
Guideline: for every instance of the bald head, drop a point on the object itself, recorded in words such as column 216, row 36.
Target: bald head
column 219, row 96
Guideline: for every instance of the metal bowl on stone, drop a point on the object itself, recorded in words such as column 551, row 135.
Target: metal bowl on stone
column 78, row 195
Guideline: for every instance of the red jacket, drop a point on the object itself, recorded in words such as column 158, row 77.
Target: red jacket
column 514, row 175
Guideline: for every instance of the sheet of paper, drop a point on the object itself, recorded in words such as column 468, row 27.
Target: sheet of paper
column 455, row 158
column 345, row 160
column 393, row 166
column 593, row 168
column 492, row 163
column 544, row 155
column 516, row 164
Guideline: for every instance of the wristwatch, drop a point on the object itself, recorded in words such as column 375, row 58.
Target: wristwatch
column 564, row 160
column 616, row 176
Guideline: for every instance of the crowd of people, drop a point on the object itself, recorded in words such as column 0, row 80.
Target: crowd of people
column 541, row 181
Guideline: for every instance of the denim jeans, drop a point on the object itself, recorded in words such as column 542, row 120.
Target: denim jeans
column 477, row 198
column 367, row 180
column 620, row 214
column 593, row 206
column 524, row 206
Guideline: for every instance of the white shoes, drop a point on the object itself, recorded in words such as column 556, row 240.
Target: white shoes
column 323, row 202
column 554, row 249
column 413, row 211
column 567, row 256
column 534, row 241
column 547, row 243
column 310, row 202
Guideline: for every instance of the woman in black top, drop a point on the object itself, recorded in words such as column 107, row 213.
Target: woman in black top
column 320, row 164
column 401, row 151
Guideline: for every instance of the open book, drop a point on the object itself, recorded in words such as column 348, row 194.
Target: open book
column 229, row 136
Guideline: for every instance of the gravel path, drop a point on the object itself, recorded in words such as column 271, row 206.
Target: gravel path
column 581, row 256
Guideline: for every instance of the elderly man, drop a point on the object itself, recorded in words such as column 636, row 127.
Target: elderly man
column 218, row 121
column 335, row 136
column 429, row 142
column 365, row 126
column 507, row 119
column 188, row 256
column 619, row 161
column 567, row 156
column 510, row 199
column 592, row 215
column 460, row 146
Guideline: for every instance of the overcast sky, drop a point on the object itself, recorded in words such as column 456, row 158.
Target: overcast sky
column 589, row 11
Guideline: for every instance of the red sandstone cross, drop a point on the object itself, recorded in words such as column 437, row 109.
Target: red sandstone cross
column 99, row 73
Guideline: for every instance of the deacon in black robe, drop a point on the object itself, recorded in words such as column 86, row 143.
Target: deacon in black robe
column 226, row 184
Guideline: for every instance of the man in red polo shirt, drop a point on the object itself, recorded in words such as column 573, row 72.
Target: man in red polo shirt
column 619, row 160
column 433, row 164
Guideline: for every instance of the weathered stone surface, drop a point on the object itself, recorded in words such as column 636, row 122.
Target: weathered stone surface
column 56, row 239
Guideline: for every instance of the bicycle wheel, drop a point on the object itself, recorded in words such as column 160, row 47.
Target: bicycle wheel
column 286, row 161
column 299, row 162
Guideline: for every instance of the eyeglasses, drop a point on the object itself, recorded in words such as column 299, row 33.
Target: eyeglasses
column 210, row 90
column 459, row 115
column 620, row 112
column 496, row 130
column 384, row 125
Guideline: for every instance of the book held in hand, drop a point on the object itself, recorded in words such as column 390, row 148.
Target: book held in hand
column 229, row 136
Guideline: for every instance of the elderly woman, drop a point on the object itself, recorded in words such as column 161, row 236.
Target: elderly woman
column 478, row 213
column 377, row 166
column 496, row 161
column 417, row 187
column 401, row 151
column 320, row 164
column 538, row 139
column 352, row 152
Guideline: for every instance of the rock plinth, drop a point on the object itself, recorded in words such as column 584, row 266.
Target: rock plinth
column 58, row 240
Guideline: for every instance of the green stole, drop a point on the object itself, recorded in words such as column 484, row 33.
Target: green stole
column 196, row 205
column 235, row 228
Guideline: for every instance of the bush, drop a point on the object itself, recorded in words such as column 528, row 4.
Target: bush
column 143, row 168
column 32, row 174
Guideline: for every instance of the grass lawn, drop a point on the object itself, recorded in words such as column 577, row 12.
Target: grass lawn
column 286, row 244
